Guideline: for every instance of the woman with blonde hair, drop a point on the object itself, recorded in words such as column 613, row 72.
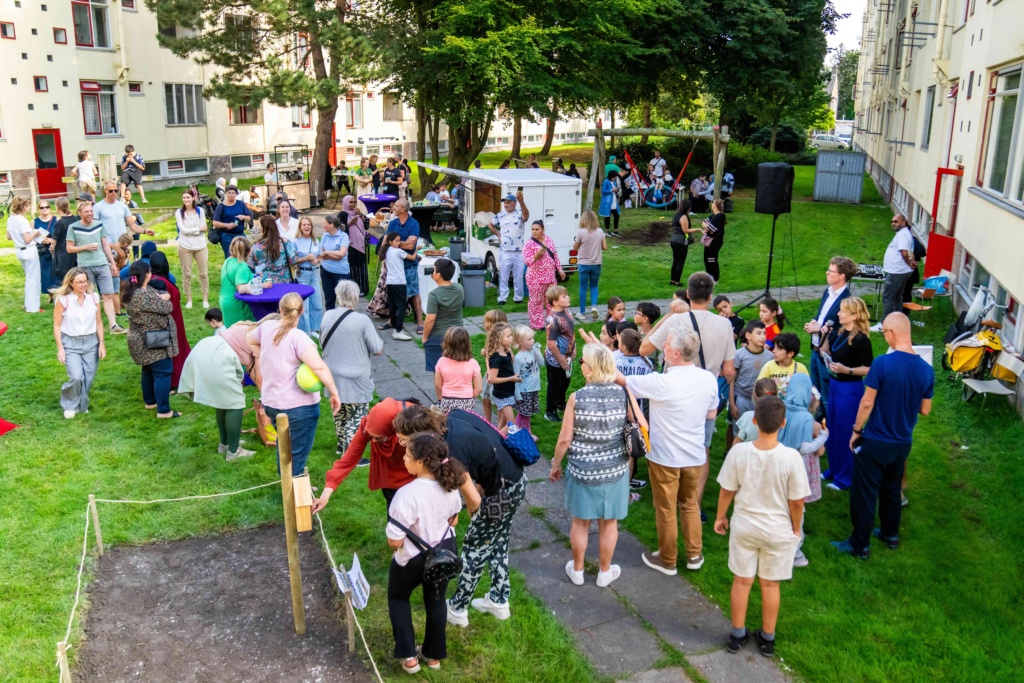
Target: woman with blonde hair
column 235, row 276
column 597, row 471
column 307, row 272
column 590, row 242
column 364, row 177
column 21, row 233
column 848, row 355
column 78, row 331
column 279, row 349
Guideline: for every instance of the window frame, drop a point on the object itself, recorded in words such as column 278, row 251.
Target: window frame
column 244, row 111
column 182, row 164
column 1012, row 174
column 929, row 115
column 128, row 6
column 14, row 30
column 198, row 105
column 139, row 90
column 304, row 115
column 392, row 109
column 91, row 6
column 351, row 98
column 46, row 84
column 95, row 89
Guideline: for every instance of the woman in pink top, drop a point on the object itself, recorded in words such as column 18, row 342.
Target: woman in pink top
column 457, row 374
column 279, row 348
column 541, row 259
column 352, row 223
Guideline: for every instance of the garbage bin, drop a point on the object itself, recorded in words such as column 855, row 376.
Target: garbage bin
column 473, row 279
column 455, row 247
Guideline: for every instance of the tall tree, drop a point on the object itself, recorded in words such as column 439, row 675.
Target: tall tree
column 846, row 62
column 299, row 53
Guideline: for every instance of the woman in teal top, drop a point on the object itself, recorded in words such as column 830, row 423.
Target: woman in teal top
column 271, row 257
column 234, row 277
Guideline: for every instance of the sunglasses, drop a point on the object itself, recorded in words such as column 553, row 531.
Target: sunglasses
column 111, row 191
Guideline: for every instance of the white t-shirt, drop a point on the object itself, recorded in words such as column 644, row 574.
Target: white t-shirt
column 903, row 240
column 715, row 336
column 17, row 226
column 658, row 167
column 395, row 260
column 79, row 320
column 765, row 482
column 680, row 400
column 270, row 178
column 114, row 218
column 288, row 233
column 423, row 507
column 86, row 170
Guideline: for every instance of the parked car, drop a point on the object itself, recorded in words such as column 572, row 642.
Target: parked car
column 828, row 142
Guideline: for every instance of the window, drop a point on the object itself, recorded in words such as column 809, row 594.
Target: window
column 929, row 106
column 91, row 28
column 99, row 108
column 258, row 160
column 1002, row 122
column 371, row 150
column 354, row 110
column 392, row 107
column 970, row 86
column 128, row 5
column 5, row 179
column 184, row 105
column 244, row 115
column 135, row 88
column 40, row 83
column 239, row 27
column 300, row 57
column 301, row 117
column 7, row 30
column 186, row 167
column 168, row 31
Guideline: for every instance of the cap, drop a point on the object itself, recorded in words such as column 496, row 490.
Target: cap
column 509, row 198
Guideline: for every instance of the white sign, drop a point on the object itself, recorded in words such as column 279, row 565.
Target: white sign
column 355, row 582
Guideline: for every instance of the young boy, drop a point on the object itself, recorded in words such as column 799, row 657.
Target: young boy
column 630, row 362
column 645, row 316
column 768, row 483
column 215, row 319
column 85, row 171
column 787, row 346
column 750, row 358
column 561, row 347
column 132, row 168
column 724, row 308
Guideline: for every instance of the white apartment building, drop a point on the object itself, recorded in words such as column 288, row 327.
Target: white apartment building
column 89, row 75
column 939, row 114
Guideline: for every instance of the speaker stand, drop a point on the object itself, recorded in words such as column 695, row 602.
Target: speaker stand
column 768, row 282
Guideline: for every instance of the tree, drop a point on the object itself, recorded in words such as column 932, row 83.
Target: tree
column 846, row 63
column 299, row 53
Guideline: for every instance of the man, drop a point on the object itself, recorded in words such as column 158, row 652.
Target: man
column 444, row 310
column 408, row 229
column 897, row 389
column 132, row 168
column 270, row 177
column 698, row 188
column 681, row 400
column 612, row 166
column 88, row 240
column 657, row 167
column 115, row 215
column 899, row 266
column 509, row 225
column 476, row 164
column 840, row 270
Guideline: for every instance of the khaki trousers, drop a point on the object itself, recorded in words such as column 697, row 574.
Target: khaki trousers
column 201, row 256
column 673, row 487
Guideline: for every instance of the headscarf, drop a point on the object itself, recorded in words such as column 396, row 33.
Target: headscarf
column 158, row 264
column 221, row 183
column 799, row 427
column 348, row 204
column 148, row 247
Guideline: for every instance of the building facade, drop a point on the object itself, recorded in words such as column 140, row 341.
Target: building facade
column 939, row 114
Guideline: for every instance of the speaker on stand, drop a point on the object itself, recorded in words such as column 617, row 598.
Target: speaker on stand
column 775, row 197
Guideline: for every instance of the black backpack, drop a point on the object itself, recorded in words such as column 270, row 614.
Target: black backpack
column 441, row 565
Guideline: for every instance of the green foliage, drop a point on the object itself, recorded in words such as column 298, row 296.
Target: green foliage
column 807, row 157
column 788, row 139
column 846, row 61
column 741, row 159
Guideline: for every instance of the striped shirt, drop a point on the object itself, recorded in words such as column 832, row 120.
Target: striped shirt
column 597, row 454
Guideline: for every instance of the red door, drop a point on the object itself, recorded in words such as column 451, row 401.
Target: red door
column 49, row 161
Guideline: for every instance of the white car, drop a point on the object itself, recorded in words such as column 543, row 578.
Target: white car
column 828, row 142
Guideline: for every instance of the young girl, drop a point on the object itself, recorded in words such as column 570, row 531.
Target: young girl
column 610, row 334
column 773, row 319
column 395, row 257
column 428, row 507
column 746, row 430
column 616, row 310
column 500, row 372
column 491, row 318
column 527, row 365
column 457, row 373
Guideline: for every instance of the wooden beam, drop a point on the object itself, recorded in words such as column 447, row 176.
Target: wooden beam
column 595, row 171
column 658, row 132
column 284, row 450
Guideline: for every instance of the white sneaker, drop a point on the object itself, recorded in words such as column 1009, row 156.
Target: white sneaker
column 575, row 576
column 458, row 617
column 605, row 578
column 69, row 414
column 206, row 304
column 593, row 313
column 222, row 448
column 580, row 317
column 877, row 327
column 499, row 612
column 240, row 453
column 400, row 336
column 695, row 563
column 188, row 305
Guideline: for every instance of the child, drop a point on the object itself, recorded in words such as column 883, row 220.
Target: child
column 500, row 371
column 646, row 315
column 771, row 316
column 561, row 346
column 215, row 319
column 491, row 318
column 526, row 365
column 783, row 365
column 85, row 171
column 724, row 308
column 630, row 362
column 394, row 257
column 616, row 310
column 610, row 335
column 457, row 373
column 745, row 428
column 426, row 508
column 768, row 483
column 749, row 360
column 680, row 302
column 132, row 167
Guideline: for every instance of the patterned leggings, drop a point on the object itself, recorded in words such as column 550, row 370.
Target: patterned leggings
column 486, row 543
column 346, row 422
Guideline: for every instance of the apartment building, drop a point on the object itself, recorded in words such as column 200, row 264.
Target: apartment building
column 89, row 74
column 939, row 114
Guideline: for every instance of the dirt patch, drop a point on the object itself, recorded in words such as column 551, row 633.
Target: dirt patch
column 655, row 232
column 214, row 609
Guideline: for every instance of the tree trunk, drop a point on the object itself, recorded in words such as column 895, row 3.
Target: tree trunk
column 647, row 121
column 517, row 136
column 466, row 141
column 320, row 166
column 612, row 110
column 426, row 132
column 549, row 134
column 775, row 132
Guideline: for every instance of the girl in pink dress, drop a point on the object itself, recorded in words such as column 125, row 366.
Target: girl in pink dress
column 542, row 265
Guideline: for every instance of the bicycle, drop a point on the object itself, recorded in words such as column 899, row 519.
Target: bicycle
column 972, row 343
column 5, row 206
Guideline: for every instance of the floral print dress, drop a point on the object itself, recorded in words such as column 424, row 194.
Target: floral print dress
column 540, row 275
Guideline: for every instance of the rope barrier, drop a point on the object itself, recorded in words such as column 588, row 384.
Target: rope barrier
column 78, row 589
column 174, row 500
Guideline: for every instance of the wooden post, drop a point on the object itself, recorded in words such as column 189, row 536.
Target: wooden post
column 721, row 145
column 594, row 171
column 350, row 615
column 284, row 450
column 96, row 522
column 62, row 661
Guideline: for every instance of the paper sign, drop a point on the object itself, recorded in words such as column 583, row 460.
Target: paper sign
column 360, row 586
column 342, row 579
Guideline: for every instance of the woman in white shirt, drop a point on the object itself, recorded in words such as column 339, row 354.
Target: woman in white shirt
column 192, row 246
column 287, row 224
column 78, row 331
column 23, row 236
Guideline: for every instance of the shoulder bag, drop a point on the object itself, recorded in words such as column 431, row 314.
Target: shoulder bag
column 559, row 276
column 441, row 564
column 635, row 433
column 522, row 447
column 213, row 235
column 158, row 339
column 330, row 332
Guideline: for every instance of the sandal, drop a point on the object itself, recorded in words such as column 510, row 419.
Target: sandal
column 414, row 669
column 150, row 407
column 634, row 497
column 384, row 326
column 173, row 415
column 434, row 664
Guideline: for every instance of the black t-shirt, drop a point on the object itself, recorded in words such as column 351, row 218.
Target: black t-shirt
column 853, row 353
column 480, row 447
column 392, row 175
column 63, row 261
column 677, row 236
column 737, row 324
column 503, row 363
column 718, row 225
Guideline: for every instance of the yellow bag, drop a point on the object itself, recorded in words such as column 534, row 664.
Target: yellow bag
column 964, row 358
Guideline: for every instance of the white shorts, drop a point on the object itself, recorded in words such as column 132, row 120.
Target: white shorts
column 752, row 552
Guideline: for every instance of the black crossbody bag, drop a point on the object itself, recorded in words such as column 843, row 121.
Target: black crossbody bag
column 560, row 276
column 441, row 564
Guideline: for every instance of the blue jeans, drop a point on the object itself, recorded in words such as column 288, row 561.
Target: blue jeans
column 589, row 275
column 313, row 308
column 820, row 379
column 225, row 242
column 302, row 426
column 156, row 384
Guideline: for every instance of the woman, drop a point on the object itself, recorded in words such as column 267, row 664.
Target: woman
column 492, row 469
column 590, row 243
column 356, row 229
column 235, row 276
column 374, row 173
column 219, row 189
column 287, row 224
column 849, row 349
column 307, row 272
column 271, row 257
column 364, row 177
column 348, row 341
column 334, row 266
column 597, row 485
column 78, row 331
column 212, row 376
column 714, row 236
column 150, row 311
column 62, row 260
column 392, row 177
column 231, row 217
column 280, row 348
column 161, row 274
column 126, row 197
column 192, row 247
column 23, row 236
column 572, row 172
column 680, row 240
column 542, row 264
column 610, row 202
column 44, row 224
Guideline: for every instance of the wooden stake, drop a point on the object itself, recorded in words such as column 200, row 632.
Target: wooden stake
column 284, row 449
column 350, row 621
column 62, row 658
column 96, row 522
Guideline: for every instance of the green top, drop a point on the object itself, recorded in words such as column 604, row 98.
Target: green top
column 609, row 167
column 232, row 274
column 446, row 304
column 82, row 235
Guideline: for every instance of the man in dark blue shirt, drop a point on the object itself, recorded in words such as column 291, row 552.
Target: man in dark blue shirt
column 897, row 389
column 408, row 228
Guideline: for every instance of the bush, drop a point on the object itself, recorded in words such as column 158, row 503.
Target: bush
column 788, row 138
column 808, row 157
column 741, row 160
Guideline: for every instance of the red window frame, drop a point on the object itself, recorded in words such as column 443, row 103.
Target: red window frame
column 14, row 30
column 135, row 88
column 258, row 159
column 58, row 41
column 92, row 34
column 993, row 81
column 5, row 179
column 299, row 50
column 128, row 5
column 46, row 84
column 91, row 89
column 243, row 110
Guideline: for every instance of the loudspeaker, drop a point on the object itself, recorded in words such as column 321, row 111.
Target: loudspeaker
column 774, row 188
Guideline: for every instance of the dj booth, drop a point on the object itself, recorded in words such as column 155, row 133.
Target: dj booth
column 871, row 273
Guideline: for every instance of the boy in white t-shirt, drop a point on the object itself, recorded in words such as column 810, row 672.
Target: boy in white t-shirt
column 768, row 483
column 85, row 171
column 394, row 259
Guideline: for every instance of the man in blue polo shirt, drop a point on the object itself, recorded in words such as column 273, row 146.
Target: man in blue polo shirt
column 408, row 228
column 897, row 389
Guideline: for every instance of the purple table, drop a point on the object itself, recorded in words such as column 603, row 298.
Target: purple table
column 373, row 202
column 268, row 302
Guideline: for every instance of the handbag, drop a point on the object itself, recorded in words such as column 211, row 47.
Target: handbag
column 213, row 235
column 635, row 433
column 43, row 249
column 560, row 277
column 441, row 563
column 522, row 447
column 158, row 339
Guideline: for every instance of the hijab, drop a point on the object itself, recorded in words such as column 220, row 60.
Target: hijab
column 148, row 247
column 799, row 427
column 158, row 264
